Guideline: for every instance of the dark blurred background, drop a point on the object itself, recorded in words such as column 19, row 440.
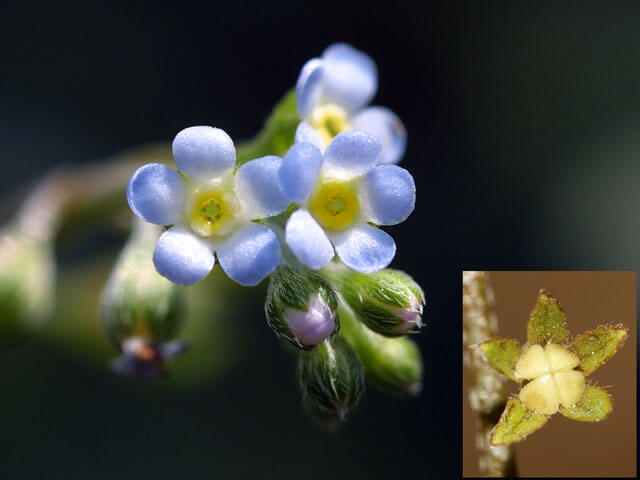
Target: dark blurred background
column 522, row 122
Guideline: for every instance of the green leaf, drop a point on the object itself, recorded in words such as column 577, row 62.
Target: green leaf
column 594, row 405
column 547, row 322
column 597, row 346
column 277, row 135
column 502, row 354
column 516, row 422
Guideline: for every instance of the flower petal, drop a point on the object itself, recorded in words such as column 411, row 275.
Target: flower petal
column 299, row 171
column 385, row 125
column 350, row 77
column 155, row 193
column 364, row 248
column 309, row 86
column 307, row 134
column 204, row 153
column 251, row 253
column 307, row 240
column 258, row 189
column 182, row 257
column 351, row 154
column 387, row 195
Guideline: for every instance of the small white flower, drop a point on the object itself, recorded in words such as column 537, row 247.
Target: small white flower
column 332, row 92
column 342, row 194
column 210, row 209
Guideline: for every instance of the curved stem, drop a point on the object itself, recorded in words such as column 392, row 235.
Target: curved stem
column 487, row 394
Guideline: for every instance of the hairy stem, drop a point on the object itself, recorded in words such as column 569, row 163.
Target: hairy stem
column 487, row 394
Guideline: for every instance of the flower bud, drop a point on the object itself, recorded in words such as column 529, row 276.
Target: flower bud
column 331, row 379
column 301, row 307
column 27, row 284
column 394, row 365
column 140, row 309
column 389, row 302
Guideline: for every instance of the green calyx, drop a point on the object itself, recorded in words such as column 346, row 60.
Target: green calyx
column 547, row 322
column 393, row 365
column 331, row 379
column 389, row 302
column 292, row 288
column 137, row 301
column 27, row 285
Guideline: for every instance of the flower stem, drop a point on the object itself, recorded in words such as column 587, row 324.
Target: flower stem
column 487, row 394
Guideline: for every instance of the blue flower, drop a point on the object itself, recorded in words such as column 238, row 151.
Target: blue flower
column 342, row 193
column 210, row 209
column 331, row 94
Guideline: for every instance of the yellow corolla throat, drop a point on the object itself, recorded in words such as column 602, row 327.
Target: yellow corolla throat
column 334, row 205
column 212, row 213
column 329, row 120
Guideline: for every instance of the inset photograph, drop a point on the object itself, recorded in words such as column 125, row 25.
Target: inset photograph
column 549, row 375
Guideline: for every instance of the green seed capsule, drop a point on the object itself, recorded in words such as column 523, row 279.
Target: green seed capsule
column 27, row 284
column 137, row 302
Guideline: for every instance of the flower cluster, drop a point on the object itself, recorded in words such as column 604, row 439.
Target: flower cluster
column 336, row 173
column 309, row 219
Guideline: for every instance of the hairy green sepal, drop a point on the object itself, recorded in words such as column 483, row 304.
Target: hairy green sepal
column 291, row 287
column 331, row 379
column 380, row 300
column 516, row 423
column 597, row 346
column 137, row 301
column 547, row 322
column 594, row 405
column 393, row 365
column 502, row 354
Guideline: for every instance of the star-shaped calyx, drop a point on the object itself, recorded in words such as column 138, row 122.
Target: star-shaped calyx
column 552, row 371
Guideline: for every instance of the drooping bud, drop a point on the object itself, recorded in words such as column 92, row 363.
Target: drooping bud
column 394, row 365
column 141, row 311
column 27, row 284
column 389, row 302
column 331, row 379
column 301, row 306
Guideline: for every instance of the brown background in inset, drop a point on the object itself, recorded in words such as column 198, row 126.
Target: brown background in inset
column 564, row 447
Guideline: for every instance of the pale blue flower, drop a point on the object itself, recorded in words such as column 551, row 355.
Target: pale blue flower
column 332, row 93
column 342, row 193
column 210, row 209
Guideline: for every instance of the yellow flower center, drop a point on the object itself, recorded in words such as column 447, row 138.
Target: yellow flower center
column 334, row 205
column 212, row 212
column 554, row 382
column 329, row 120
